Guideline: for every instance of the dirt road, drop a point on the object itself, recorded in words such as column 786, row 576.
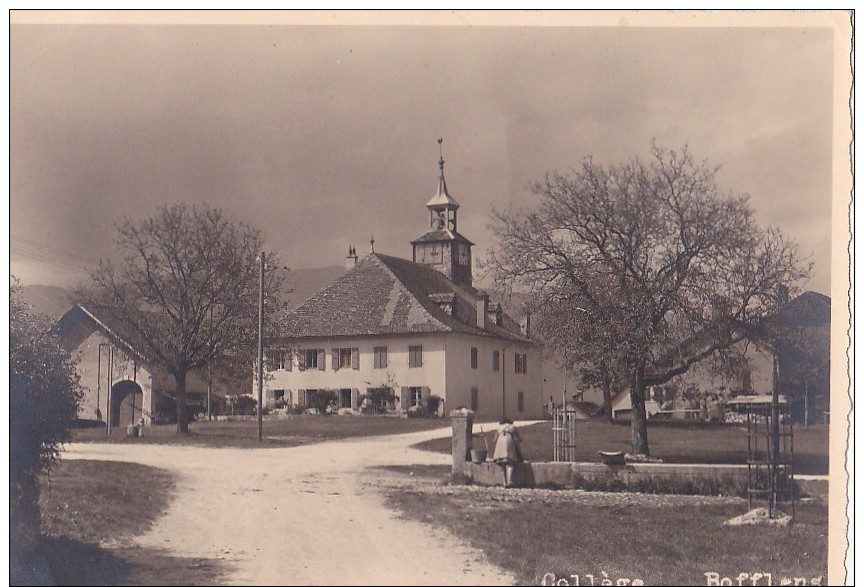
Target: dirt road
column 301, row 515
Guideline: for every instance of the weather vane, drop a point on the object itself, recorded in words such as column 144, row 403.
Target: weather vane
column 440, row 154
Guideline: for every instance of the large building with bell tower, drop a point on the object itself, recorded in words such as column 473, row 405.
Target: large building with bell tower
column 416, row 327
column 442, row 247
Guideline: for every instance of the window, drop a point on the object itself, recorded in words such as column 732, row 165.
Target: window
column 464, row 254
column 278, row 394
column 415, row 356
column 380, row 357
column 521, row 363
column 473, row 357
column 312, row 359
column 345, row 398
column 520, row 401
column 475, row 398
column 345, row 358
column 496, row 360
column 275, row 360
column 415, row 396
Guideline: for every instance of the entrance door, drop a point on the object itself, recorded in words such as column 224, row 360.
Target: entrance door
column 127, row 402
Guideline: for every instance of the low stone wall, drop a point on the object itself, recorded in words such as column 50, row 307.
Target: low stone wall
column 530, row 474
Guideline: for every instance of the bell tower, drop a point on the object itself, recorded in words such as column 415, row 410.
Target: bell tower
column 442, row 246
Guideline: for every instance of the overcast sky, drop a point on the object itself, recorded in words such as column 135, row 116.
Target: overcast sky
column 324, row 136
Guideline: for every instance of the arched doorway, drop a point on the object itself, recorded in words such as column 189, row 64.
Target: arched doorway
column 127, row 402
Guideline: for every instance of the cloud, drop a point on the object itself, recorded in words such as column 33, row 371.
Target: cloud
column 323, row 136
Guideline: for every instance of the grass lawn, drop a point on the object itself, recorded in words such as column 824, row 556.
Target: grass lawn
column 674, row 442
column 90, row 512
column 295, row 431
column 660, row 540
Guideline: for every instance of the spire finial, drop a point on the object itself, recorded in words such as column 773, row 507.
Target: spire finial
column 441, row 156
column 372, row 243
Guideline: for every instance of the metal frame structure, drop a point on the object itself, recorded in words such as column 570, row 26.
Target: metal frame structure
column 770, row 455
column 564, row 433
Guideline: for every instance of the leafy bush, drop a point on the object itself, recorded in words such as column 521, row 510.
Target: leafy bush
column 241, row 405
column 323, row 400
column 378, row 400
column 433, row 404
column 427, row 408
column 44, row 395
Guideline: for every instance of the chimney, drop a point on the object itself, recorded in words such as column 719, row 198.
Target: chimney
column 525, row 324
column 351, row 259
column 482, row 309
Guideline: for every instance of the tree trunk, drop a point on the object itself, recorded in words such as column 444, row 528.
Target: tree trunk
column 639, row 420
column 607, row 398
column 182, row 419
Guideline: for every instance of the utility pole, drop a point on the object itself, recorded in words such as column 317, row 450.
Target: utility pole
column 260, row 347
column 210, row 373
column 108, row 421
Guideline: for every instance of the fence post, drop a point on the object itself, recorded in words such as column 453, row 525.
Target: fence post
column 463, row 422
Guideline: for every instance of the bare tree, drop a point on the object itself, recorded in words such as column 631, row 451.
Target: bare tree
column 654, row 268
column 187, row 288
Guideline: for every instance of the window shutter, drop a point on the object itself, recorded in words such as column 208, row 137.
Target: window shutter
column 355, row 358
column 424, row 392
column 289, row 361
column 322, row 359
column 301, row 360
column 355, row 399
column 289, row 397
column 301, row 397
column 384, row 357
column 405, row 398
column 334, row 355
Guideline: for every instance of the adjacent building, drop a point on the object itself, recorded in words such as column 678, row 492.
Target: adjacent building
column 115, row 372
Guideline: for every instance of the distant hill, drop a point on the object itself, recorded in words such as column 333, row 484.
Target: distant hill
column 306, row 282
column 48, row 300
column 55, row 301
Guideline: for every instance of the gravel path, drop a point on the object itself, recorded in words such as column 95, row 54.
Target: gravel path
column 301, row 515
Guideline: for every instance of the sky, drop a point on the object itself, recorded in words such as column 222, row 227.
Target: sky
column 324, row 136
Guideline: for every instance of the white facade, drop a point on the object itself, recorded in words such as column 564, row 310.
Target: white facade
column 446, row 371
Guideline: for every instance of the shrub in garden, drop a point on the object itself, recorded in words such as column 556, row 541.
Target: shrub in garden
column 43, row 403
column 378, row 400
column 241, row 405
column 323, row 400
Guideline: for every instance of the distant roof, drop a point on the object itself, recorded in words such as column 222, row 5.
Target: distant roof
column 389, row 295
column 441, row 235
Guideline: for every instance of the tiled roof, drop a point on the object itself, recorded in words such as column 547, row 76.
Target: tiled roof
column 388, row 295
column 106, row 319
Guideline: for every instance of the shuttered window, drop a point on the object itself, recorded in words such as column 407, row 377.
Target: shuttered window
column 345, row 358
column 415, row 356
column 474, row 353
column 521, row 363
column 380, row 357
column 496, row 360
